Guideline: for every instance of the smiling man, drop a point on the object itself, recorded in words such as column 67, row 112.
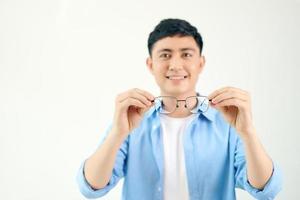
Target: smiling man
column 180, row 145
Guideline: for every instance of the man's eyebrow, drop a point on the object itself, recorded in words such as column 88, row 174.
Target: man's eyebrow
column 182, row 49
column 161, row 50
column 188, row 49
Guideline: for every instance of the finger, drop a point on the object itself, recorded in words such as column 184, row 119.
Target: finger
column 140, row 109
column 228, row 95
column 231, row 102
column 136, row 95
column 122, row 96
column 142, row 97
column 132, row 102
column 215, row 93
column 129, row 93
column 145, row 109
column 148, row 95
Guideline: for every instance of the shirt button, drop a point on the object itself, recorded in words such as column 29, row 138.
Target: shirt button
column 159, row 189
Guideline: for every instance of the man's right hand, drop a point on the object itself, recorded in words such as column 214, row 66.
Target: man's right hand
column 130, row 107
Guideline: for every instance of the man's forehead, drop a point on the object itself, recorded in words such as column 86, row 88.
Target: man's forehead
column 176, row 43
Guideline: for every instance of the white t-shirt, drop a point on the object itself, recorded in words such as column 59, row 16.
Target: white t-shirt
column 175, row 180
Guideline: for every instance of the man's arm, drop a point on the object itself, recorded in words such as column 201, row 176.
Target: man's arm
column 98, row 167
column 259, row 165
column 235, row 105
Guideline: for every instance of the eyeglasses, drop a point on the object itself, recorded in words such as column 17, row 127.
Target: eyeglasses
column 168, row 104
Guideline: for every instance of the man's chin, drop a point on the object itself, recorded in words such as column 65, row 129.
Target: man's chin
column 176, row 91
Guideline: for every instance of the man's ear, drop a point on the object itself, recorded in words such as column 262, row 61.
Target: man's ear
column 202, row 63
column 149, row 63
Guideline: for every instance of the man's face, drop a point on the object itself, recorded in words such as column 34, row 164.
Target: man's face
column 175, row 64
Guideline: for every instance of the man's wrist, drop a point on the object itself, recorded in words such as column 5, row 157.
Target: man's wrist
column 115, row 133
column 249, row 135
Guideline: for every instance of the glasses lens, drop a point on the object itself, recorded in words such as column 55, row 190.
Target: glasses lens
column 197, row 104
column 165, row 105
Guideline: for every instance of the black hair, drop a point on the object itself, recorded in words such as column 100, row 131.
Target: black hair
column 173, row 27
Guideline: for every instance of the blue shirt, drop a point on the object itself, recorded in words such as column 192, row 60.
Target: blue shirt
column 214, row 159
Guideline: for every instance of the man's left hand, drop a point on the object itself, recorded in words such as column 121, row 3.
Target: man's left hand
column 235, row 105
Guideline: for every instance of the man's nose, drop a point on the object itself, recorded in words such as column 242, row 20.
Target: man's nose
column 176, row 64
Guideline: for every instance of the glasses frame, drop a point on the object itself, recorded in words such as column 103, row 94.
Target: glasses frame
column 182, row 100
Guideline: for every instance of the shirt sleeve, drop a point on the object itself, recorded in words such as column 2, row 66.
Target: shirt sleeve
column 117, row 173
column 272, row 187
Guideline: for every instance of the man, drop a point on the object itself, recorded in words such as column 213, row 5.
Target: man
column 180, row 145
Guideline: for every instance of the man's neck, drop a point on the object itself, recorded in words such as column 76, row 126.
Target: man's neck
column 180, row 113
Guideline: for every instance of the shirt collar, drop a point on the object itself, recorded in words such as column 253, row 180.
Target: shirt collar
column 210, row 114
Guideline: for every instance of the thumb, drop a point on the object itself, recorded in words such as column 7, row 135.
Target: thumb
column 144, row 110
column 222, row 109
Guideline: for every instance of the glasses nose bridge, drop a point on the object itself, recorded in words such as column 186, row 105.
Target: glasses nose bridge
column 181, row 100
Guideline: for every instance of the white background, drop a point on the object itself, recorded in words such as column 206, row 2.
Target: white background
column 63, row 62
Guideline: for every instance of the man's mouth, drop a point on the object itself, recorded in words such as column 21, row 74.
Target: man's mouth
column 177, row 77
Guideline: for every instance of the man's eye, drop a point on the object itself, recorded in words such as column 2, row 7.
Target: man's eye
column 165, row 55
column 187, row 55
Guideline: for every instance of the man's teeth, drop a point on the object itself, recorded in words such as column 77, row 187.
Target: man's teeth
column 176, row 77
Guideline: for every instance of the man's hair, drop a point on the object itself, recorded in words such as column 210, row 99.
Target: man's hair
column 173, row 27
